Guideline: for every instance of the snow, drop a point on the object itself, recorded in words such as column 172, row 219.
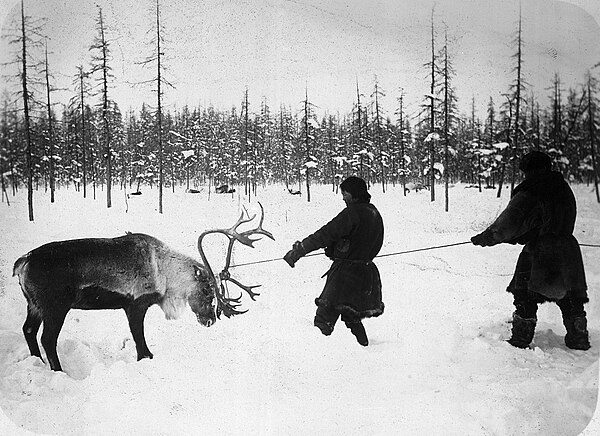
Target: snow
column 437, row 362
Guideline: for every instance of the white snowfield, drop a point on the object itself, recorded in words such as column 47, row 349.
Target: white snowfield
column 437, row 363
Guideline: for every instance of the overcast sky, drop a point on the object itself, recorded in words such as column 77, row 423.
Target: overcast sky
column 280, row 48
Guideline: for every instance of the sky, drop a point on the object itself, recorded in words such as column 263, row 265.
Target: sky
column 284, row 49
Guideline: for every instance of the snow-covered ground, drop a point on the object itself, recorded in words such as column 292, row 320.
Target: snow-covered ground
column 437, row 363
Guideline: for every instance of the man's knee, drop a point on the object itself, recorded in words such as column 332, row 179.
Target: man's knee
column 325, row 319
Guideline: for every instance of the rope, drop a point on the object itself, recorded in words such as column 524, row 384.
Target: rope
column 381, row 255
column 270, row 260
column 423, row 249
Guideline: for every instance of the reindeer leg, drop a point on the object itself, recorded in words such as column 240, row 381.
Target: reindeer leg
column 52, row 325
column 136, row 312
column 30, row 330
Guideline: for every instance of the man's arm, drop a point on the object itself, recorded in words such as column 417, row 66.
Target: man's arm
column 516, row 220
column 334, row 230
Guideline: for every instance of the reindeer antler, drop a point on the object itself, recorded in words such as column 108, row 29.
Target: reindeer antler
column 225, row 304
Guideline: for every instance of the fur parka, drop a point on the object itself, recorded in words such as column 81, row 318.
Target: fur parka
column 541, row 215
column 352, row 239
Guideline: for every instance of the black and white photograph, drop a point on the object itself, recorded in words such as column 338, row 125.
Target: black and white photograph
column 299, row 217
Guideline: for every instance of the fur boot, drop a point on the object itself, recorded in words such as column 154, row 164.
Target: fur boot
column 358, row 330
column 523, row 330
column 577, row 336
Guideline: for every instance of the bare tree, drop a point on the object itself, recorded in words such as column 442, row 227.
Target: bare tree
column 308, row 139
column 159, row 108
column 401, row 139
column 557, row 113
column 518, row 88
column 360, row 142
column 100, row 63
column 377, row 94
column 50, row 127
column 246, row 151
column 27, row 37
column 160, row 81
column 432, row 128
column 503, row 157
column 491, row 128
column 4, row 148
column 82, row 89
column 448, row 112
column 592, row 130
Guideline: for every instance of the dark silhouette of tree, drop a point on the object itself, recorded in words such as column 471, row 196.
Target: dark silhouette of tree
column 448, row 110
column 246, row 145
column 592, row 106
column 359, row 134
column 401, row 140
column 378, row 93
column 432, row 126
column 160, row 81
column 517, row 90
column 308, row 137
column 51, row 157
column 82, row 89
column 557, row 114
column 101, row 64
column 27, row 38
column 507, row 132
column 6, row 152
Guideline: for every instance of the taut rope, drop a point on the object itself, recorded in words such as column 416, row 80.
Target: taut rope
column 382, row 255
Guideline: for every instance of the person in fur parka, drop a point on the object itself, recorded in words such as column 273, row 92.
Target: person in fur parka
column 541, row 215
column 352, row 239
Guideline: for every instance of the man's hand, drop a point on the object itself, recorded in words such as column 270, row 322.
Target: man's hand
column 294, row 254
column 484, row 239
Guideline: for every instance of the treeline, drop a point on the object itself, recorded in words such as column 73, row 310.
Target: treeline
column 240, row 147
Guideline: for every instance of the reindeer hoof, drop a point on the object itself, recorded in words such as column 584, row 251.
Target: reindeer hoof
column 148, row 355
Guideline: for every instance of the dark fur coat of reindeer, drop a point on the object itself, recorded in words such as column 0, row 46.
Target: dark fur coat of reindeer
column 131, row 272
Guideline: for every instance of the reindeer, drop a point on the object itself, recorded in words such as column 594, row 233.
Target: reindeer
column 131, row 272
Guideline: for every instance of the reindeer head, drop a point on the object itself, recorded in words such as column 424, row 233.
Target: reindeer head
column 224, row 304
column 202, row 299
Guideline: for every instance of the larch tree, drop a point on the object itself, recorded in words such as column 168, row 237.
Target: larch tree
column 507, row 119
column 26, row 100
column 309, row 125
column 401, row 130
column 82, row 90
column 432, row 126
column 517, row 90
column 27, row 37
column 6, row 151
column 360, row 134
column 160, row 81
column 378, row 93
column 448, row 110
column 246, row 146
column 51, row 156
column 557, row 114
column 591, row 112
column 101, row 64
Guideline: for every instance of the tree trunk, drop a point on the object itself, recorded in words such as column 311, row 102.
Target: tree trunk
column 27, row 119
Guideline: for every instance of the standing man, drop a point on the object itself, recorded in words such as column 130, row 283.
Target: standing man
column 352, row 239
column 541, row 215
